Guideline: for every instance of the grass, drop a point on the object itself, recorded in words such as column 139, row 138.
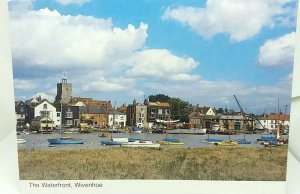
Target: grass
column 217, row 163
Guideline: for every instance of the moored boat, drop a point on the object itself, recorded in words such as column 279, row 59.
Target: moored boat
column 107, row 142
column 140, row 144
column 21, row 141
column 194, row 131
column 65, row 140
column 226, row 143
column 170, row 141
column 213, row 140
column 243, row 141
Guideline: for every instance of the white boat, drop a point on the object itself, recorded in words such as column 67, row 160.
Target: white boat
column 215, row 127
column 120, row 139
column 21, row 141
column 140, row 143
column 187, row 131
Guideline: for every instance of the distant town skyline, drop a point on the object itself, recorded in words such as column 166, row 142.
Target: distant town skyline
column 202, row 52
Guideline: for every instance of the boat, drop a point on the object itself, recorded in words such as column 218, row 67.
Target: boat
column 108, row 142
column 243, row 141
column 19, row 141
column 245, row 120
column 194, row 131
column 136, row 130
column 213, row 140
column 226, row 143
column 65, row 140
column 273, row 144
column 267, row 138
column 140, row 144
column 117, row 141
column 170, row 141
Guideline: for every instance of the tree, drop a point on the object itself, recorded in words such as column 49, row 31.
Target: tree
column 159, row 98
column 180, row 109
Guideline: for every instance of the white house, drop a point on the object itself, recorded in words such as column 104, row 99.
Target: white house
column 45, row 108
column 116, row 118
column 273, row 121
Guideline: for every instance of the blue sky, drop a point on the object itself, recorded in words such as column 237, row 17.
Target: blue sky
column 200, row 51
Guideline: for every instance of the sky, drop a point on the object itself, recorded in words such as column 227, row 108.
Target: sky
column 203, row 51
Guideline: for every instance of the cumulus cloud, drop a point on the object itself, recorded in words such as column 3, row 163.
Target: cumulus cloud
column 67, row 41
column 184, row 77
column 279, row 51
column 25, row 85
column 67, row 2
column 43, row 95
column 239, row 19
column 159, row 63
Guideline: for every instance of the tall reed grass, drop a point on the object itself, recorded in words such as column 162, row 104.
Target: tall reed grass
column 217, row 163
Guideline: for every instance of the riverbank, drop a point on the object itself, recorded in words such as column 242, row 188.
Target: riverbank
column 216, row 163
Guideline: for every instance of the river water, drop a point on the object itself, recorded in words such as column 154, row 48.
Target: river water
column 92, row 140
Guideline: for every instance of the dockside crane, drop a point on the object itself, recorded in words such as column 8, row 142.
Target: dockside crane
column 244, row 114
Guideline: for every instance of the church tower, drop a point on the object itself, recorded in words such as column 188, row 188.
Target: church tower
column 64, row 91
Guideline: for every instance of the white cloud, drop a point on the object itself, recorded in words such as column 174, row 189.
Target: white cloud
column 25, row 85
column 68, row 2
column 239, row 19
column 278, row 52
column 159, row 63
column 184, row 77
column 47, row 38
column 98, row 81
column 43, row 95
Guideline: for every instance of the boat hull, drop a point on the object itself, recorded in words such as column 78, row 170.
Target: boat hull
column 227, row 144
column 141, row 144
column 110, row 143
column 19, row 141
column 170, row 143
column 243, row 141
column 66, row 141
column 213, row 140
column 187, row 131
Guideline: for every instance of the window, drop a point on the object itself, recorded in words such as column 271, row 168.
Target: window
column 58, row 114
column 159, row 111
column 45, row 106
column 152, row 110
column 69, row 115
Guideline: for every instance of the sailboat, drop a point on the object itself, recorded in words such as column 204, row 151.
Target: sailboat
column 170, row 141
column 64, row 140
column 227, row 143
column 244, row 140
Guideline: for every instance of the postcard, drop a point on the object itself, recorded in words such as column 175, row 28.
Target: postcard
column 146, row 96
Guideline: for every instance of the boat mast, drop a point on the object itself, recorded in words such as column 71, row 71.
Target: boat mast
column 61, row 112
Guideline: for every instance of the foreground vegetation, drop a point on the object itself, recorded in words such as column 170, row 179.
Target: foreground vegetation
column 132, row 163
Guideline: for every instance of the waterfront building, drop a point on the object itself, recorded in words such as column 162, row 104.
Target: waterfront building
column 117, row 119
column 93, row 116
column 43, row 109
column 137, row 115
column 42, row 124
column 20, row 110
column 70, row 116
column 272, row 122
column 158, row 111
column 202, row 117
